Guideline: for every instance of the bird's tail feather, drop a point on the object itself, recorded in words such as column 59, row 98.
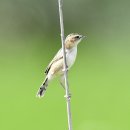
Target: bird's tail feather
column 43, row 88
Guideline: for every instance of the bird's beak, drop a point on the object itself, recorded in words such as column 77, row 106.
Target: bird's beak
column 83, row 36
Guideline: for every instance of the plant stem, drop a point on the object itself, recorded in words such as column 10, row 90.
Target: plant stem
column 60, row 2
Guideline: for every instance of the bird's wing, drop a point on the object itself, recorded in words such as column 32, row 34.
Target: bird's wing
column 57, row 57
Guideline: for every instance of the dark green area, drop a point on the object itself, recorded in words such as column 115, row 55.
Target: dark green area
column 99, row 80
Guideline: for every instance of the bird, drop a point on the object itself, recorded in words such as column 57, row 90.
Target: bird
column 56, row 66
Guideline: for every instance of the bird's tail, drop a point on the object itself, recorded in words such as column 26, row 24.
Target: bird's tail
column 43, row 88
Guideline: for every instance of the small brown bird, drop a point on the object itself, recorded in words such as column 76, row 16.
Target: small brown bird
column 55, row 68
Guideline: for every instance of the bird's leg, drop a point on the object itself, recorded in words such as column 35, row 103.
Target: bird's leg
column 62, row 82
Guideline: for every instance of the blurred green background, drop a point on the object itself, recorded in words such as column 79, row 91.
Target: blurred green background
column 99, row 80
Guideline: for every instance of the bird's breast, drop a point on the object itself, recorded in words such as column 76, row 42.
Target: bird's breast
column 71, row 56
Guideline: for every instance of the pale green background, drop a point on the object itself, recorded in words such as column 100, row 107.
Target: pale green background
column 99, row 80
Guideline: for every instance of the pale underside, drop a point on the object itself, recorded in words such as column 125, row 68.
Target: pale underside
column 56, row 65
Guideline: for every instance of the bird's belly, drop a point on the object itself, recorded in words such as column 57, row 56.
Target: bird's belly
column 70, row 57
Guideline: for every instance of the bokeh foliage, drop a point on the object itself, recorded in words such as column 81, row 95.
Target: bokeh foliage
column 99, row 80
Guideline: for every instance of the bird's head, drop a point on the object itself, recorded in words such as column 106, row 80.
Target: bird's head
column 72, row 40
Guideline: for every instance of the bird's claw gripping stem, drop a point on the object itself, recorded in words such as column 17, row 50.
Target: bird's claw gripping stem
column 66, row 69
column 68, row 96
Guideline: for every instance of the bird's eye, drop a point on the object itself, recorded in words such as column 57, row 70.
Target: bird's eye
column 77, row 37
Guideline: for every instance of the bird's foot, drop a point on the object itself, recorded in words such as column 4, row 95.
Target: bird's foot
column 67, row 68
column 68, row 96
